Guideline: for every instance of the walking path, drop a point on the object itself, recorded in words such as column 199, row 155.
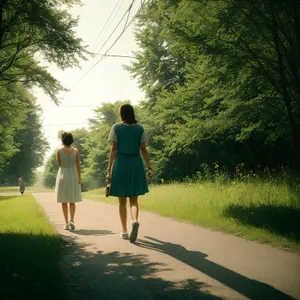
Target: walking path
column 170, row 260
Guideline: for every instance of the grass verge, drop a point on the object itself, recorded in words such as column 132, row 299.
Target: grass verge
column 265, row 212
column 14, row 190
column 29, row 253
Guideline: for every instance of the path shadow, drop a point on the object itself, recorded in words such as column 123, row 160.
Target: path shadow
column 250, row 288
column 116, row 275
column 29, row 267
column 45, row 267
column 281, row 220
column 92, row 232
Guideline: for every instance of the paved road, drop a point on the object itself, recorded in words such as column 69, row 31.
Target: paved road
column 170, row 260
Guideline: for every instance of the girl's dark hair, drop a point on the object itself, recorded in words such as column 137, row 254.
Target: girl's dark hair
column 127, row 114
column 67, row 138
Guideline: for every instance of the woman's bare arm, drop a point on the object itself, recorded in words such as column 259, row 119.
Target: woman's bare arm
column 78, row 166
column 112, row 155
column 146, row 157
column 58, row 158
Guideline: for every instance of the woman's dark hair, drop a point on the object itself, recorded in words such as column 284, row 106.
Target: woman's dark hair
column 67, row 138
column 127, row 114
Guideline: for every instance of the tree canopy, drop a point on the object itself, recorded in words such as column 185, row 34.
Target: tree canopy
column 30, row 30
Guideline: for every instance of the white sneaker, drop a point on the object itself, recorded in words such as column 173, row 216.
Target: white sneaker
column 134, row 231
column 124, row 235
column 67, row 227
column 72, row 225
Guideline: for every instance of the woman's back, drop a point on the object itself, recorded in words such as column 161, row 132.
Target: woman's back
column 129, row 138
column 68, row 160
column 67, row 185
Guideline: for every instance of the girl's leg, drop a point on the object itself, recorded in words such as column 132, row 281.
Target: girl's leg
column 72, row 211
column 72, row 214
column 65, row 211
column 123, row 212
column 134, row 208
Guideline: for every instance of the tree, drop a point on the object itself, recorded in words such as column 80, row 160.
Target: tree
column 10, row 121
column 29, row 29
column 230, row 103
column 50, row 171
column 37, row 27
column 31, row 145
column 97, row 146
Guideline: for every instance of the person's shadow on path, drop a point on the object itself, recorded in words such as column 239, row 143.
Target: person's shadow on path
column 117, row 275
column 250, row 288
column 92, row 232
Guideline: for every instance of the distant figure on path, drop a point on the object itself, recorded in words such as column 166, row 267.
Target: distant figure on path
column 21, row 185
column 126, row 169
column 68, row 180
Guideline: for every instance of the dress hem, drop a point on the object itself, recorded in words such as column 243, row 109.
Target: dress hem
column 129, row 196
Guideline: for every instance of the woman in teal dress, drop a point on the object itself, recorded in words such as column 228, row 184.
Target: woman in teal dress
column 126, row 168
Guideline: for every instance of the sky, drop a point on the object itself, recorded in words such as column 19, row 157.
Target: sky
column 106, row 82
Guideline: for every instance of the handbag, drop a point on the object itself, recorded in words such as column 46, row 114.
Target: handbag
column 107, row 189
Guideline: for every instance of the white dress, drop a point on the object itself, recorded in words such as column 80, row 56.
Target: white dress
column 67, row 188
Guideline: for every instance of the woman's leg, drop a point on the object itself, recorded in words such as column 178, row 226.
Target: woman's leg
column 134, row 208
column 123, row 212
column 65, row 211
column 72, row 211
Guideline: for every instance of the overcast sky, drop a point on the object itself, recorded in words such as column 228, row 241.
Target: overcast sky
column 107, row 82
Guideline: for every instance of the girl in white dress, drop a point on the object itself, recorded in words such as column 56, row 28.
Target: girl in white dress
column 68, row 180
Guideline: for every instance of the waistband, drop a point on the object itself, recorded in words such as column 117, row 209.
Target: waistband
column 128, row 154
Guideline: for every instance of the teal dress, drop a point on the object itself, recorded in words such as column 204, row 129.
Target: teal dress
column 128, row 176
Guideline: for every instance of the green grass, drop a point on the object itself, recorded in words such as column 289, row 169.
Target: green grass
column 29, row 252
column 28, row 190
column 265, row 212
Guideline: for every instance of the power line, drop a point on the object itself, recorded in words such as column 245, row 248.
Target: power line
column 130, row 7
column 117, row 39
column 102, row 30
column 98, row 44
column 102, row 57
column 126, row 12
column 115, row 55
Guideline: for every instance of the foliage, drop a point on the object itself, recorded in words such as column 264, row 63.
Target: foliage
column 50, row 171
column 216, row 82
column 222, row 85
column 24, row 140
column 28, row 30
column 10, row 121
column 37, row 27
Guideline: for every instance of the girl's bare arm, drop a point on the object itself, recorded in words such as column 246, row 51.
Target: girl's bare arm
column 58, row 158
column 78, row 166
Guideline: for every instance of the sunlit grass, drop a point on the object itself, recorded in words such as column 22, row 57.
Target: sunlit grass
column 28, row 190
column 29, row 253
column 261, row 211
